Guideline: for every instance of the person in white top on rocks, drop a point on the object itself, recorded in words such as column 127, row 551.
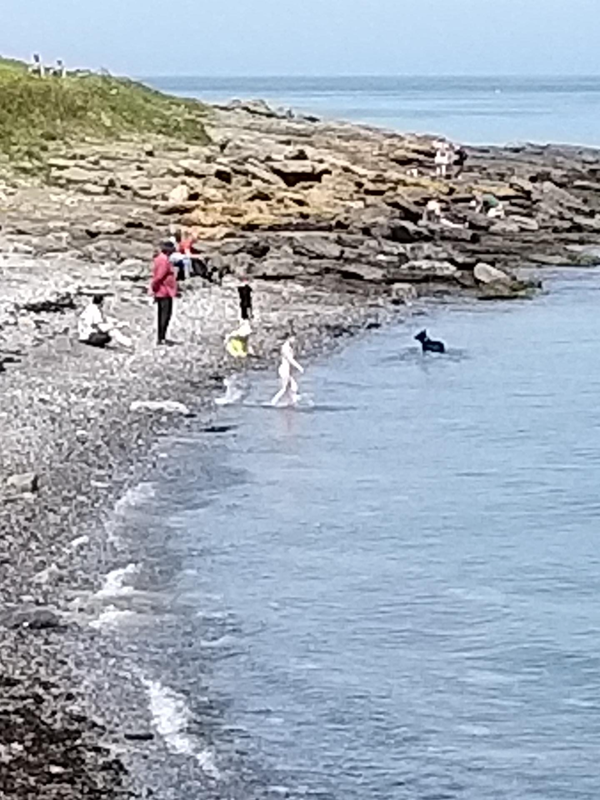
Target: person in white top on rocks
column 288, row 366
column 443, row 158
column 95, row 329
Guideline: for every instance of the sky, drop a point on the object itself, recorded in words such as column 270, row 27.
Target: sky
column 308, row 37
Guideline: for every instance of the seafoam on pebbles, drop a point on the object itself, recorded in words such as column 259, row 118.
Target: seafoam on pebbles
column 115, row 583
column 171, row 717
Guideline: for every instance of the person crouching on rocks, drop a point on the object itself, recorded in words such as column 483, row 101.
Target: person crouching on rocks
column 164, row 290
column 97, row 330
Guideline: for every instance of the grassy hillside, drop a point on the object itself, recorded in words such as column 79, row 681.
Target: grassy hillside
column 35, row 112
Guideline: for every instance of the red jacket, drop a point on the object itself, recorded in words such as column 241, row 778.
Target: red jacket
column 164, row 282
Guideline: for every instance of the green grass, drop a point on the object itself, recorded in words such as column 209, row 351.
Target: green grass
column 37, row 113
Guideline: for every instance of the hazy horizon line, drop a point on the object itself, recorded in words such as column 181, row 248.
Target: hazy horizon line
column 436, row 76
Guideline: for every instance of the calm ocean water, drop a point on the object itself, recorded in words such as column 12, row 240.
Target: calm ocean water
column 392, row 592
column 474, row 110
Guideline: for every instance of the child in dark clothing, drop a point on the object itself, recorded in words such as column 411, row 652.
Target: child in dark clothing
column 245, row 295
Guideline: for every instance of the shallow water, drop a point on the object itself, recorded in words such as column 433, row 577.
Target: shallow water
column 393, row 594
column 475, row 110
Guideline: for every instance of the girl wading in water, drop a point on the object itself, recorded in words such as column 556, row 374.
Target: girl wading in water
column 288, row 366
column 237, row 346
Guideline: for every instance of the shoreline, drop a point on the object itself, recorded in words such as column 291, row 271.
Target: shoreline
column 56, row 586
column 67, row 409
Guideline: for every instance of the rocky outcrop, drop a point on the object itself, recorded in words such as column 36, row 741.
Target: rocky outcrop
column 282, row 197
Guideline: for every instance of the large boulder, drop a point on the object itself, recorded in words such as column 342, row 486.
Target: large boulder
column 316, row 247
column 506, row 290
column 257, row 172
column 104, row 227
column 486, row 273
column 403, row 293
column 180, row 194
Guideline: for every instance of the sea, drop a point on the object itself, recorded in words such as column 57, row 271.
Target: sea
column 390, row 591
column 471, row 110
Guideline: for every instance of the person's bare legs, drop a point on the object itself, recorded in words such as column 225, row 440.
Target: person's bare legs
column 120, row 338
column 293, row 391
column 282, row 392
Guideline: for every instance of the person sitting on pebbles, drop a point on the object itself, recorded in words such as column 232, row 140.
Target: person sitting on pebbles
column 97, row 330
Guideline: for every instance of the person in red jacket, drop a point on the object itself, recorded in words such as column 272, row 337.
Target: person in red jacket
column 164, row 289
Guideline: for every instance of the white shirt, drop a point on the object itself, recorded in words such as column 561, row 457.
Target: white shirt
column 90, row 321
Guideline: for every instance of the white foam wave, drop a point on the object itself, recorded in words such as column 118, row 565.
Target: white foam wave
column 134, row 497
column 115, row 582
column 171, row 717
column 112, row 617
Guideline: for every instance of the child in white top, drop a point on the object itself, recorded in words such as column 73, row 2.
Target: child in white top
column 289, row 385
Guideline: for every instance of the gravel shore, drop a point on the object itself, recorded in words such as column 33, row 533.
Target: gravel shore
column 67, row 418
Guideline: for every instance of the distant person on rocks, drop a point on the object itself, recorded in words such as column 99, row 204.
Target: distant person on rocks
column 460, row 159
column 245, row 296
column 289, row 365
column 432, row 212
column 442, row 160
column 164, row 290
column 489, row 205
column 95, row 329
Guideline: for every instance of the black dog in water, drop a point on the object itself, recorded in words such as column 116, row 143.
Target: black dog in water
column 430, row 345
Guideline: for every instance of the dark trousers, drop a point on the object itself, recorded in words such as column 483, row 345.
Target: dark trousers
column 98, row 339
column 164, row 307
